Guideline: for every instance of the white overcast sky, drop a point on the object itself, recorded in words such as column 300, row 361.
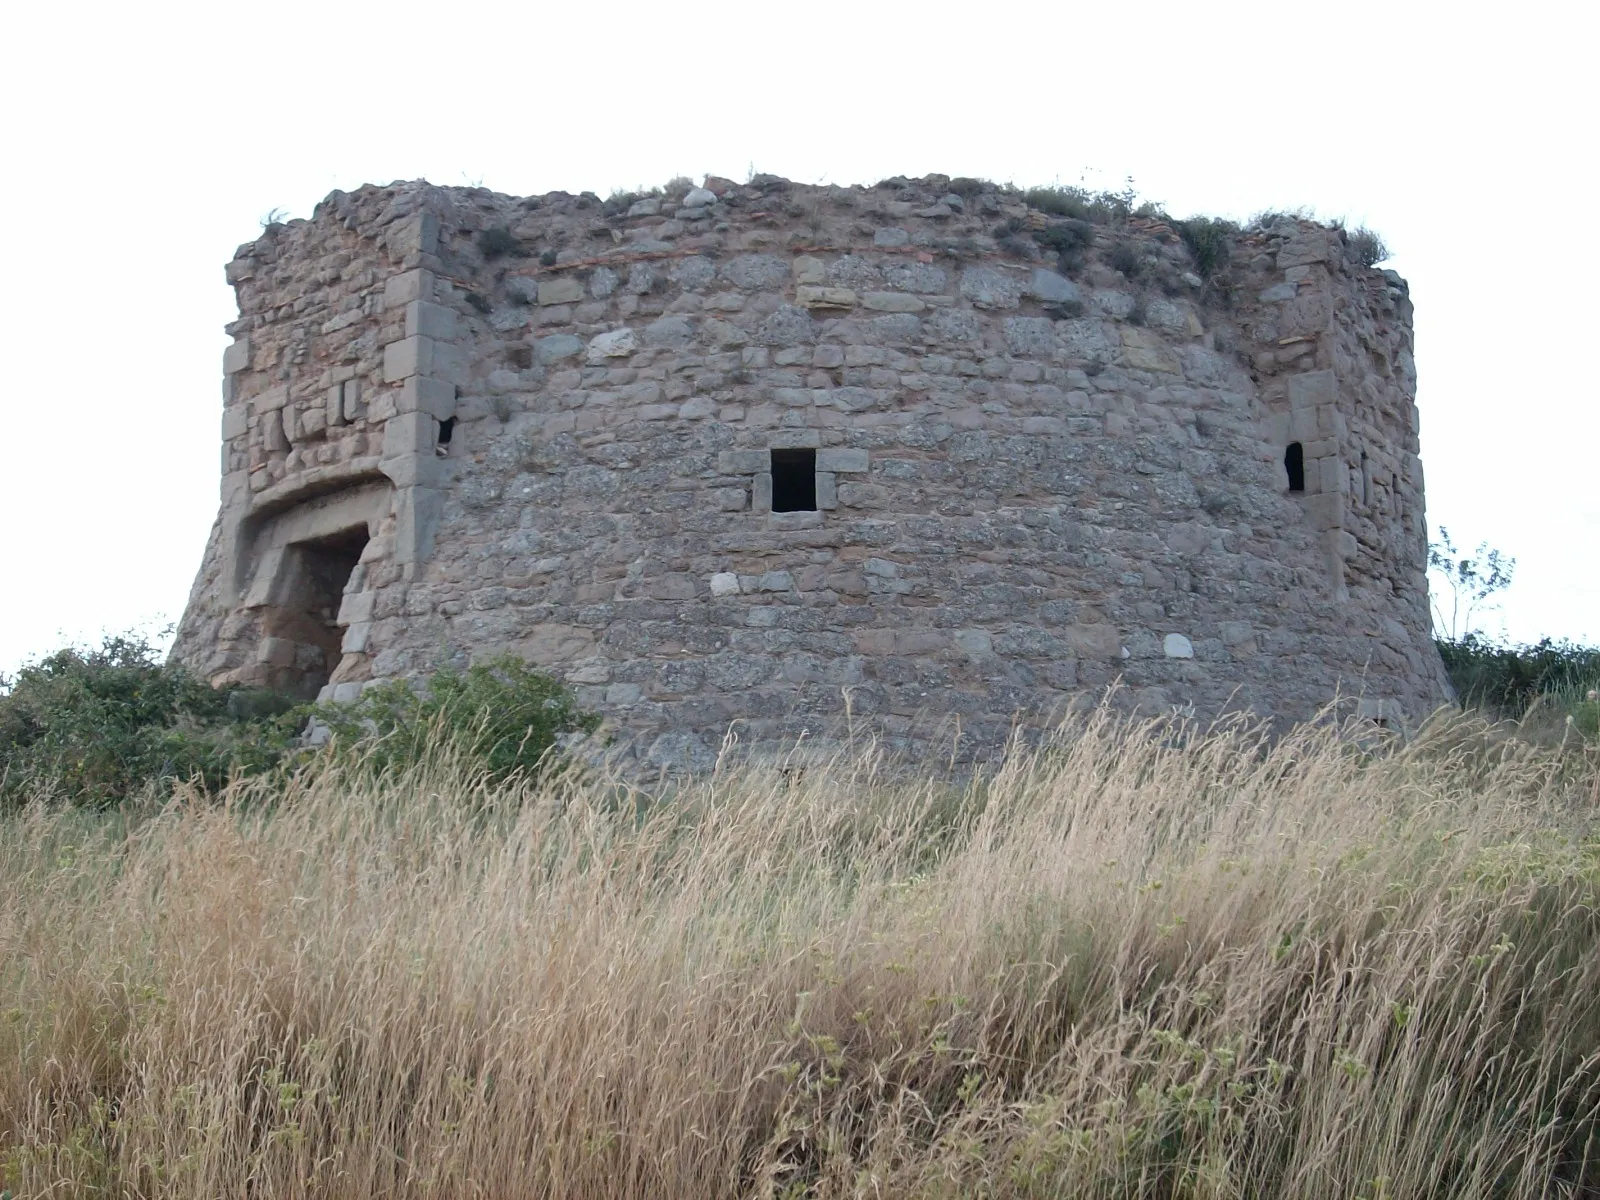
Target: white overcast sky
column 143, row 142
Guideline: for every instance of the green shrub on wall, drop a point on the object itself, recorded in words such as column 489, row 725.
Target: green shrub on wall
column 502, row 716
column 98, row 725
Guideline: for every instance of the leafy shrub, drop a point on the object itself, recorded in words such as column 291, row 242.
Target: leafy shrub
column 967, row 188
column 1368, row 246
column 97, row 726
column 1508, row 680
column 1080, row 203
column 502, row 715
column 1126, row 259
column 1210, row 240
column 497, row 241
column 1068, row 236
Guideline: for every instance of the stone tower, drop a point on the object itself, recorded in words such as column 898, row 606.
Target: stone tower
column 756, row 454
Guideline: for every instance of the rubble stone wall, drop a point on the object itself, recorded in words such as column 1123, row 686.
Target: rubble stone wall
column 457, row 423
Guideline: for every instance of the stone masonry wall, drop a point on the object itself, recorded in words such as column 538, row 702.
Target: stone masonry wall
column 457, row 423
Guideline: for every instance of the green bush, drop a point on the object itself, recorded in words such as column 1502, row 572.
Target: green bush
column 1368, row 246
column 1068, row 237
column 1080, row 203
column 497, row 241
column 1210, row 241
column 96, row 726
column 1507, row 680
column 502, row 716
column 1126, row 259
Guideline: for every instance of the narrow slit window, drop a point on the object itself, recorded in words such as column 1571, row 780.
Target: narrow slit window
column 794, row 481
column 447, row 428
column 1294, row 462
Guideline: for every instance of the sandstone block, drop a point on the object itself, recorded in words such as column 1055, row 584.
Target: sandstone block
column 892, row 302
column 275, row 430
column 619, row 343
column 408, row 286
column 863, row 495
column 410, row 433
column 420, row 394
column 842, row 460
column 410, row 470
column 351, row 401
column 808, row 296
column 236, row 357
column 809, row 270
column 356, row 606
column 975, row 643
column 423, row 356
column 1324, row 511
column 1311, row 388
column 794, row 439
column 1143, row 350
column 1095, row 641
column 416, row 234
column 743, row 462
column 791, row 521
column 424, row 319
column 417, row 512
column 761, row 493
column 565, row 289
column 556, row 347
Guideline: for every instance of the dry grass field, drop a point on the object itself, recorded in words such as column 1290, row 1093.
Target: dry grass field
column 1139, row 961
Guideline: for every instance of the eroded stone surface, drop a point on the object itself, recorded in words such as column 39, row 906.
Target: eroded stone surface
column 1026, row 484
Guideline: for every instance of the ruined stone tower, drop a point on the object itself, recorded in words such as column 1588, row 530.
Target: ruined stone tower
column 757, row 453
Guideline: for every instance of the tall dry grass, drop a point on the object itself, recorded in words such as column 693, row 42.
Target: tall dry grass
column 1136, row 962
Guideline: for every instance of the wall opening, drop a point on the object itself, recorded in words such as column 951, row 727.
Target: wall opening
column 308, row 615
column 1294, row 462
column 447, row 429
column 794, row 481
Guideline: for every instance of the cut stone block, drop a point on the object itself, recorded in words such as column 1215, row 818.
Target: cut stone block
column 565, row 290
column 743, row 462
column 409, row 433
column 430, row 320
column 854, row 461
column 422, row 394
column 1311, row 388
column 808, row 296
column 407, row 287
column 236, row 357
column 892, row 302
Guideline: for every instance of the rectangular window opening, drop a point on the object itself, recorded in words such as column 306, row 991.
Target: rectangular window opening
column 794, row 481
